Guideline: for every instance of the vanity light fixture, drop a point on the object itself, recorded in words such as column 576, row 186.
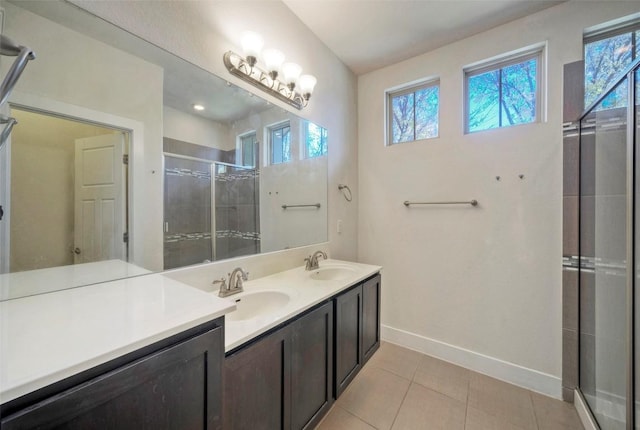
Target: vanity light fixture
column 198, row 107
column 281, row 80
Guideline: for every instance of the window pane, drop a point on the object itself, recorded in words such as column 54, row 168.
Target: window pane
column 248, row 150
column 518, row 102
column 484, row 101
column 280, row 145
column 316, row 140
column 402, row 108
column 427, row 101
column 604, row 60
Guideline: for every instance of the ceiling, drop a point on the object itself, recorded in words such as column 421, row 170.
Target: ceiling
column 369, row 34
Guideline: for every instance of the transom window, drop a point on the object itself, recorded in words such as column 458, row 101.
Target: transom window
column 280, row 143
column 412, row 113
column 503, row 93
column 247, row 149
column 606, row 55
column 315, row 140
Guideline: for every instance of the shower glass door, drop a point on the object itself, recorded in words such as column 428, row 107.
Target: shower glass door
column 607, row 208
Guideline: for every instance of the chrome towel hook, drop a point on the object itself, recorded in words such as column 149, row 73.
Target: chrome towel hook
column 343, row 187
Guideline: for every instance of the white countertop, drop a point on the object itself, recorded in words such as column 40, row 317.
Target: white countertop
column 304, row 293
column 32, row 282
column 48, row 337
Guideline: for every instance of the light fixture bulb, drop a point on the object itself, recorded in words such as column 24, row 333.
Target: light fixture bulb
column 198, row 107
column 251, row 46
column 307, row 83
column 291, row 72
column 273, row 59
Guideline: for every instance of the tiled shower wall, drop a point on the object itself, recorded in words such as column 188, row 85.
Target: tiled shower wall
column 187, row 209
column 237, row 213
column 573, row 96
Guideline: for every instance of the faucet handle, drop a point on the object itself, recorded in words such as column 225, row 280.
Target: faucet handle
column 221, row 281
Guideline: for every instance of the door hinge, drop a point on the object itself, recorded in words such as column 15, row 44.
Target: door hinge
column 125, row 159
column 1, row 212
column 125, row 237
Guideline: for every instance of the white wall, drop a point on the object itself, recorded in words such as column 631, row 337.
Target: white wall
column 479, row 286
column 197, row 130
column 201, row 32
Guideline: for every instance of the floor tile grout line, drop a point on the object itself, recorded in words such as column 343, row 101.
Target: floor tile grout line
column 401, row 403
column 533, row 408
column 360, row 419
column 466, row 403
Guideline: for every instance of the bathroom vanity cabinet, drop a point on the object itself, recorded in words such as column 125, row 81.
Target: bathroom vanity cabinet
column 283, row 380
column 289, row 377
column 357, row 330
column 176, row 385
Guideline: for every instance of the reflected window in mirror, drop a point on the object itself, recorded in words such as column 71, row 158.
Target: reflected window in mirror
column 315, row 140
column 247, row 149
column 280, row 143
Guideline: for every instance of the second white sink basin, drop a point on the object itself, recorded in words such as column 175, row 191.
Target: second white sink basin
column 252, row 305
column 332, row 273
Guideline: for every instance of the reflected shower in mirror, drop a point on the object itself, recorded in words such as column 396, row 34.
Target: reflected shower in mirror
column 160, row 185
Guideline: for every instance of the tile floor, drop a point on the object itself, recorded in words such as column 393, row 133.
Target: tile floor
column 403, row 389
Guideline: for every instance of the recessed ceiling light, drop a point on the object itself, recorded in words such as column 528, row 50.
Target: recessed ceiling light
column 198, row 107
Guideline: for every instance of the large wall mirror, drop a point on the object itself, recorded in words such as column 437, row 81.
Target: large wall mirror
column 111, row 172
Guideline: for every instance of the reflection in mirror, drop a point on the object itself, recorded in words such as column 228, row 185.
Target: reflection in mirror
column 112, row 173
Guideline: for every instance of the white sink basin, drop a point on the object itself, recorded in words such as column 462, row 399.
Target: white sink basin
column 252, row 305
column 332, row 273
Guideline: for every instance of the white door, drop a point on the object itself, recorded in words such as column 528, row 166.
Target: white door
column 99, row 199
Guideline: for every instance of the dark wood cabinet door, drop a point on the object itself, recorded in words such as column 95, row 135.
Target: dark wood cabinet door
column 311, row 367
column 256, row 385
column 179, row 388
column 370, row 317
column 348, row 332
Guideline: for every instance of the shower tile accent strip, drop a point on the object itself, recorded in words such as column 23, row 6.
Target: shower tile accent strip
column 573, row 95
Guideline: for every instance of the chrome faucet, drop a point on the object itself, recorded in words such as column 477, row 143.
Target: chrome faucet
column 236, row 277
column 312, row 260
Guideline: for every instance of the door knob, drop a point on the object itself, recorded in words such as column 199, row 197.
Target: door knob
column 77, row 251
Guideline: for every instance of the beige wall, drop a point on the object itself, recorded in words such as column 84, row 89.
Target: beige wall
column 479, row 286
column 42, row 189
column 80, row 71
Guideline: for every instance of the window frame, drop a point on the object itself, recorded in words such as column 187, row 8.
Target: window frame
column 410, row 88
column 537, row 52
column 240, row 149
column 270, row 129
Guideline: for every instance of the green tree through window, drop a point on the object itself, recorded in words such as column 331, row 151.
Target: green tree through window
column 604, row 59
column 503, row 96
column 315, row 140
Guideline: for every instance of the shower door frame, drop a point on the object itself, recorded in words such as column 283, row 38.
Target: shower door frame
column 632, row 164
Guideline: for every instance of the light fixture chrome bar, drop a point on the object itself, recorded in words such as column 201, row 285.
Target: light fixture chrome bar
column 238, row 66
column 316, row 205
column 470, row 202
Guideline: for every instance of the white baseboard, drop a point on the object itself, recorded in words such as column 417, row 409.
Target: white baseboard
column 530, row 379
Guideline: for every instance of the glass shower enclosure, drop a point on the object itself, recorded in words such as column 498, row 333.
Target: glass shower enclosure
column 211, row 211
column 608, row 312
